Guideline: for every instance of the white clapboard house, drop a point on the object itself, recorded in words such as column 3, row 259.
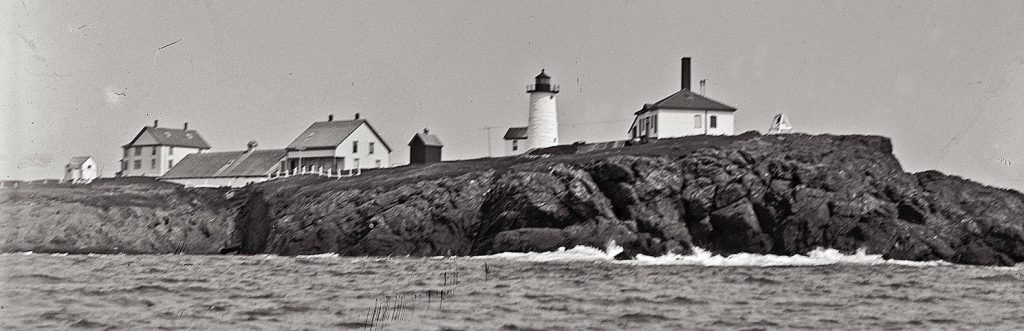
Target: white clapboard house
column 684, row 113
column 154, row 150
column 80, row 169
column 333, row 146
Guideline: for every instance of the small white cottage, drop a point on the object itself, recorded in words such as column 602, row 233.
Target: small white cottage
column 515, row 141
column 80, row 170
column 683, row 113
column 338, row 145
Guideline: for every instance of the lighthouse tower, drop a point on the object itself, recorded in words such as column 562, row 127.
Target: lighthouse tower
column 543, row 128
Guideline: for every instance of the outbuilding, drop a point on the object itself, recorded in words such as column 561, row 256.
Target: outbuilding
column 226, row 169
column 81, row 169
column 425, row 148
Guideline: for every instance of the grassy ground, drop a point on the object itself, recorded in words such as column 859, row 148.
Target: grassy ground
column 537, row 159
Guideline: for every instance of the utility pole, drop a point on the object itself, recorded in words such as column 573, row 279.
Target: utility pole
column 488, row 128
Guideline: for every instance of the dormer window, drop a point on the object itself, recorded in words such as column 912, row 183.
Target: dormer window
column 355, row 147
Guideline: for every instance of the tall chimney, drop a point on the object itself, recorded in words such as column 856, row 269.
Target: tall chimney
column 186, row 126
column 155, row 123
column 330, row 117
column 686, row 73
column 357, row 115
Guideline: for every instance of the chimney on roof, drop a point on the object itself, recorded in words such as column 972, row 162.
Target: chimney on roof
column 330, row 117
column 251, row 146
column 357, row 115
column 686, row 73
column 155, row 123
column 186, row 126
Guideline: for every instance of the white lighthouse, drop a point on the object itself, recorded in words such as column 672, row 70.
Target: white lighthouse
column 543, row 128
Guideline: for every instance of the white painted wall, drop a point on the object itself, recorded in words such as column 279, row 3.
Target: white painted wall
column 363, row 136
column 678, row 123
column 87, row 173
column 542, row 131
column 164, row 158
column 509, row 151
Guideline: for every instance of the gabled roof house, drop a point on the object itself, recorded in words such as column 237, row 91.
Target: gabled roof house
column 338, row 145
column 154, row 150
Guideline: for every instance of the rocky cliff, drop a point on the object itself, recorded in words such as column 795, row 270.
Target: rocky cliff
column 785, row 194
column 120, row 216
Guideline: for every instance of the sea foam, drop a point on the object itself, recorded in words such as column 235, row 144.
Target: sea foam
column 701, row 257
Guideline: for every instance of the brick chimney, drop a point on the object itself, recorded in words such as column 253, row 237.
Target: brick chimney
column 156, row 123
column 686, row 73
column 330, row 117
column 186, row 126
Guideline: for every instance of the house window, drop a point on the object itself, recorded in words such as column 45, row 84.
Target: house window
column 170, row 163
column 137, row 164
column 170, row 150
column 138, row 151
column 355, row 147
column 154, row 150
column 124, row 165
column 713, row 121
column 655, row 125
column 126, row 152
column 152, row 164
column 697, row 122
column 515, row 144
column 370, row 150
column 378, row 163
column 88, row 166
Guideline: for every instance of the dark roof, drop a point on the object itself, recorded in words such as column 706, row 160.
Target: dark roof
column 330, row 134
column 515, row 133
column 542, row 75
column 686, row 99
column 173, row 137
column 227, row 164
column 76, row 162
column 426, row 139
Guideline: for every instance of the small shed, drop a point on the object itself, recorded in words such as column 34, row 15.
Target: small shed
column 81, row 169
column 425, row 148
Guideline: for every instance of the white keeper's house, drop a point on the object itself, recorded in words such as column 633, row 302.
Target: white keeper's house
column 684, row 113
column 338, row 145
column 155, row 150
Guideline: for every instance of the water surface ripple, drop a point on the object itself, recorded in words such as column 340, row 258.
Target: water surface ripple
column 39, row 291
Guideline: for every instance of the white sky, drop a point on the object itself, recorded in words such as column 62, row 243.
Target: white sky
column 944, row 80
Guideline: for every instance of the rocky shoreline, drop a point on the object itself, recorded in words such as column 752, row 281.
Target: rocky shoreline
column 785, row 194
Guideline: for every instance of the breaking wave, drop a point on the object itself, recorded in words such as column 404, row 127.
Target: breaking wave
column 701, row 257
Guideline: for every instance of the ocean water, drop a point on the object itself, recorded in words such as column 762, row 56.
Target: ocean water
column 575, row 289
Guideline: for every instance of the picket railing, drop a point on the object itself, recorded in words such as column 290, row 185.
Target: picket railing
column 318, row 171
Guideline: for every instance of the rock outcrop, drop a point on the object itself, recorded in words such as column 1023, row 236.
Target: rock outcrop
column 782, row 194
column 121, row 216
column 786, row 194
